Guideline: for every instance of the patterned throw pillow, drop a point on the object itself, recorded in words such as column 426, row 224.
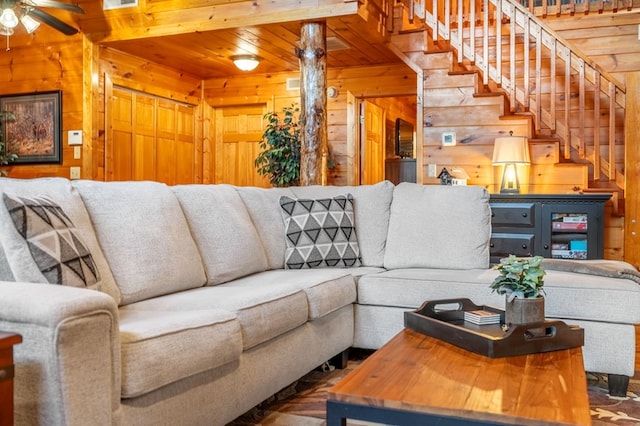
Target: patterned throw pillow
column 320, row 232
column 57, row 249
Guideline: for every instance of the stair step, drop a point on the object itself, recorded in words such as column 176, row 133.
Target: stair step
column 617, row 195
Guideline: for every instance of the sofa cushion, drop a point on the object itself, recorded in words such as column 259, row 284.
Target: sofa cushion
column 162, row 347
column 326, row 289
column 434, row 226
column 320, row 232
column 371, row 207
column 263, row 205
column 222, row 228
column 568, row 295
column 18, row 256
column 55, row 245
column 409, row 288
column 145, row 237
column 265, row 309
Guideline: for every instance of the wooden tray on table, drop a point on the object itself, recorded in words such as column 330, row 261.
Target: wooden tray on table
column 444, row 319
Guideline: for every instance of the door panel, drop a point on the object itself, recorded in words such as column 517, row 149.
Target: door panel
column 373, row 144
column 238, row 135
column 150, row 139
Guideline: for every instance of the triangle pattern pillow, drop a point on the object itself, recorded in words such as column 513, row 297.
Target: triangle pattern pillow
column 54, row 243
column 320, row 232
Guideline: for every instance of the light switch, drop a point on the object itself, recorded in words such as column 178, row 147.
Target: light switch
column 74, row 137
column 76, row 152
column 75, row 173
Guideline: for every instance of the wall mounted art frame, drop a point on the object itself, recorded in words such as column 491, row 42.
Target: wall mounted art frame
column 35, row 135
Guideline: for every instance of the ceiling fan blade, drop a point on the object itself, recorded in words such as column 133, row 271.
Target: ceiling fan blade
column 52, row 21
column 53, row 4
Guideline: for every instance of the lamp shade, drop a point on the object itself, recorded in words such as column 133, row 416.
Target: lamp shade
column 29, row 23
column 9, row 18
column 511, row 149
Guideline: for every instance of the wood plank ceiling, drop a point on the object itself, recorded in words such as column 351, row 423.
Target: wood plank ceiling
column 206, row 55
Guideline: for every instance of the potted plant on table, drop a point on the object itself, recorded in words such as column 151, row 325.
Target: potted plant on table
column 521, row 281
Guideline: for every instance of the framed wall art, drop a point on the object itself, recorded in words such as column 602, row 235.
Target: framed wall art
column 35, row 134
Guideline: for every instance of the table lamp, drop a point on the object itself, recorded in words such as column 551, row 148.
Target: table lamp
column 510, row 150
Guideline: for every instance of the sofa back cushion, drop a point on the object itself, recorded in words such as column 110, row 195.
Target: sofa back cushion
column 434, row 226
column 371, row 204
column 222, row 228
column 49, row 237
column 144, row 236
column 263, row 205
column 371, row 207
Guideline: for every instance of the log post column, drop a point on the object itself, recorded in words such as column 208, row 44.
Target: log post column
column 312, row 54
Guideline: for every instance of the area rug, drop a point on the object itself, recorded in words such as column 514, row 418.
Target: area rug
column 303, row 403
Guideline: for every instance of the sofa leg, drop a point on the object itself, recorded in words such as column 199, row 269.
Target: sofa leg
column 340, row 360
column 618, row 384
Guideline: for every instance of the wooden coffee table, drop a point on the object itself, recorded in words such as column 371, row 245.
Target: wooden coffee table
column 417, row 380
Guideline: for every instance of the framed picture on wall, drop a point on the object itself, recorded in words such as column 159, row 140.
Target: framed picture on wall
column 35, row 134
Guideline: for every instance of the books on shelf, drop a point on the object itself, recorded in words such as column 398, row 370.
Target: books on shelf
column 569, row 254
column 482, row 317
column 574, row 226
column 574, row 219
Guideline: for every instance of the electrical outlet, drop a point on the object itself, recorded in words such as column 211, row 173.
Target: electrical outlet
column 75, row 173
column 432, row 170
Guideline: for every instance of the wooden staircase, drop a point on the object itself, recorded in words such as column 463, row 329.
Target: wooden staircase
column 568, row 103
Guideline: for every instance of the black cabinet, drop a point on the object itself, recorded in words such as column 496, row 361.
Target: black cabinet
column 549, row 225
column 400, row 170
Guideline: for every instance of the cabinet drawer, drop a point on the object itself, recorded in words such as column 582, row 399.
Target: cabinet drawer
column 512, row 214
column 517, row 244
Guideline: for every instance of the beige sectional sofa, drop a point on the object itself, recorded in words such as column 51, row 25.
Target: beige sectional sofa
column 178, row 306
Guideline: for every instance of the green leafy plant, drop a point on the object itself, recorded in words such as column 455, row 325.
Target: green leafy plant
column 5, row 156
column 280, row 156
column 520, row 277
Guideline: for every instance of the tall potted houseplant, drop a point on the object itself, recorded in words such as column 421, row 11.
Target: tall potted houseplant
column 6, row 157
column 521, row 280
column 280, row 156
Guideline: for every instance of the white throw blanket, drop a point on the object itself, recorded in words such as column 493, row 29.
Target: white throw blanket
column 600, row 267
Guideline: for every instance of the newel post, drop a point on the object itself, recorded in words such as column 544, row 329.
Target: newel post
column 312, row 54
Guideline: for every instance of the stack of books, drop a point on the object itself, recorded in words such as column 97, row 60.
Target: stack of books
column 482, row 317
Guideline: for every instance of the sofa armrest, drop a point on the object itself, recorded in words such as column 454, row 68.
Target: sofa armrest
column 68, row 364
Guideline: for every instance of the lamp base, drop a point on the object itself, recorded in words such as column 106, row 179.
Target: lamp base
column 510, row 184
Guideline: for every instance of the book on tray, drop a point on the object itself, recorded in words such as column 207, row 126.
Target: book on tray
column 482, row 317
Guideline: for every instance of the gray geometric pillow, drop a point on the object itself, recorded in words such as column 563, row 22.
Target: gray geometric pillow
column 56, row 247
column 320, row 232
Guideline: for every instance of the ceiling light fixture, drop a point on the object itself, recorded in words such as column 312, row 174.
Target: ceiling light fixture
column 246, row 62
column 8, row 18
column 29, row 23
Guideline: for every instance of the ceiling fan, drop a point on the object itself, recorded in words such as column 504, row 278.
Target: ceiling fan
column 29, row 12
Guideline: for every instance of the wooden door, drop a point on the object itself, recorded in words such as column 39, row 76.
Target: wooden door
column 372, row 143
column 149, row 138
column 238, row 133
column 119, row 149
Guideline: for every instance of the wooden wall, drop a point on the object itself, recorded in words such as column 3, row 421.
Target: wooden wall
column 38, row 64
column 448, row 100
column 451, row 104
column 372, row 82
column 122, row 70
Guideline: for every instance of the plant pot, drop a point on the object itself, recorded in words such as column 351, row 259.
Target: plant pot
column 524, row 311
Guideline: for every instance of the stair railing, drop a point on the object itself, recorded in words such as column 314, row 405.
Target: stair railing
column 546, row 8
column 568, row 95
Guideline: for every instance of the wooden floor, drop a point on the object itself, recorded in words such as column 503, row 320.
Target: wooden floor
column 303, row 403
